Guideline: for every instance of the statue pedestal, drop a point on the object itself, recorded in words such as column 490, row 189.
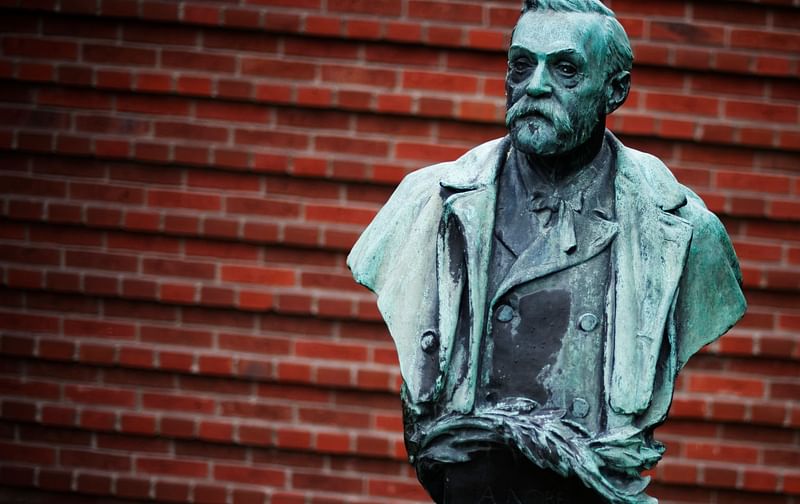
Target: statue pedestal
column 497, row 475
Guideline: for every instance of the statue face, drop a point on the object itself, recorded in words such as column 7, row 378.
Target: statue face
column 556, row 81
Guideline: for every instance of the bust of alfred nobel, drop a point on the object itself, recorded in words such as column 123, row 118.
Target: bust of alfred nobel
column 544, row 289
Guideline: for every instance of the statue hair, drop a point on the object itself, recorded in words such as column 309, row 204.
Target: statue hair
column 620, row 54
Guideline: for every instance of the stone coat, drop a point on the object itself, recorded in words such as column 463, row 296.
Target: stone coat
column 676, row 280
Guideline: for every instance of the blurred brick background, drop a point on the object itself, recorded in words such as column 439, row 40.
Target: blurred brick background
column 180, row 185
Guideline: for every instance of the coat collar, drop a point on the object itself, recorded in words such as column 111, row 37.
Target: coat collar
column 480, row 166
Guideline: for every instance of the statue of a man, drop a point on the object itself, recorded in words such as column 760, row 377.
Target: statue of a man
column 544, row 290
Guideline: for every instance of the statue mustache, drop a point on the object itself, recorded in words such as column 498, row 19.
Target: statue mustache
column 546, row 109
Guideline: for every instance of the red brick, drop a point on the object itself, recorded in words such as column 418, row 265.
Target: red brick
column 763, row 39
column 152, row 105
column 678, row 473
column 380, row 7
column 215, row 365
column 323, row 25
column 396, row 489
column 57, row 415
column 294, row 372
column 21, row 322
column 136, row 488
column 249, row 300
column 172, row 491
column 176, row 336
column 760, row 480
column 729, row 385
column 260, row 275
column 172, row 467
column 249, row 475
column 282, row 22
column 198, row 61
column 345, row 75
column 762, row 112
column 445, row 35
column 224, row 228
column 177, row 427
column 94, row 484
column 118, row 55
column 405, row 32
column 97, row 395
column 327, row 483
column 98, row 420
column 730, row 453
column 301, row 235
column 363, row 29
column 742, row 14
column 55, row 480
column 682, row 104
column 207, row 494
column 277, row 68
column 720, row 477
column 256, row 497
column 748, row 181
column 39, row 48
column 440, row 81
column 93, row 460
column 350, row 215
column 177, row 403
column 686, row 33
column 488, row 39
column 175, row 199
column 201, row 14
column 351, row 145
column 178, row 293
column 455, row 12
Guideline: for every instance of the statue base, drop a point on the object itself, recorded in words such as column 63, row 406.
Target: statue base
column 500, row 476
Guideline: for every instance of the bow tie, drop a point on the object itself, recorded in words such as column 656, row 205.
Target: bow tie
column 564, row 208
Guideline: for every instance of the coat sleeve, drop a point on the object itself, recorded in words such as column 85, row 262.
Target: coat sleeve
column 384, row 244
column 710, row 300
column 395, row 257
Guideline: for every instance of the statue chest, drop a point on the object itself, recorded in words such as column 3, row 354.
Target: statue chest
column 546, row 340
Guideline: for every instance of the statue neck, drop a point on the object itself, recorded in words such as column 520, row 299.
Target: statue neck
column 560, row 168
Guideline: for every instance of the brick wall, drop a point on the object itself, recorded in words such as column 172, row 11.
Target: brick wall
column 180, row 185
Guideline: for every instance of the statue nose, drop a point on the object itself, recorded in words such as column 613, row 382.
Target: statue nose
column 539, row 85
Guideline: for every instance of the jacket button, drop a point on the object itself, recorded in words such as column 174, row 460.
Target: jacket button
column 505, row 313
column 579, row 408
column 429, row 342
column 588, row 322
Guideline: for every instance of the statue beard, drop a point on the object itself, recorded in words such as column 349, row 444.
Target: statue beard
column 544, row 128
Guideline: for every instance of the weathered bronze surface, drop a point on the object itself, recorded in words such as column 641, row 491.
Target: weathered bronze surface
column 544, row 290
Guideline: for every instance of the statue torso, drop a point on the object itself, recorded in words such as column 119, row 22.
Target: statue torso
column 546, row 336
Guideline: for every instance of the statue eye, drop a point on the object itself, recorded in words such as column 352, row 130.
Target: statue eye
column 519, row 66
column 566, row 69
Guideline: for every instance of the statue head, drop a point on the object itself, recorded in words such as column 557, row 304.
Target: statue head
column 568, row 68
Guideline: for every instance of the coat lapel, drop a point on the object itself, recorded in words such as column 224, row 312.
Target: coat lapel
column 465, row 245
column 543, row 256
column 649, row 259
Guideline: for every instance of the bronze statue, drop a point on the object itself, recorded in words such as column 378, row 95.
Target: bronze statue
column 544, row 290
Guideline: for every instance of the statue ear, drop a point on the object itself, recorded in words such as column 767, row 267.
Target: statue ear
column 617, row 89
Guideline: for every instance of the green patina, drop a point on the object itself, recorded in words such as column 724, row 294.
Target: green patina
column 676, row 283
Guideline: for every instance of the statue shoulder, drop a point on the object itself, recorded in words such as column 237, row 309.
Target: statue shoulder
column 406, row 228
column 672, row 196
column 710, row 299
column 473, row 167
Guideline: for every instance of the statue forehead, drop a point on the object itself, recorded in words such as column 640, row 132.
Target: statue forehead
column 546, row 32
